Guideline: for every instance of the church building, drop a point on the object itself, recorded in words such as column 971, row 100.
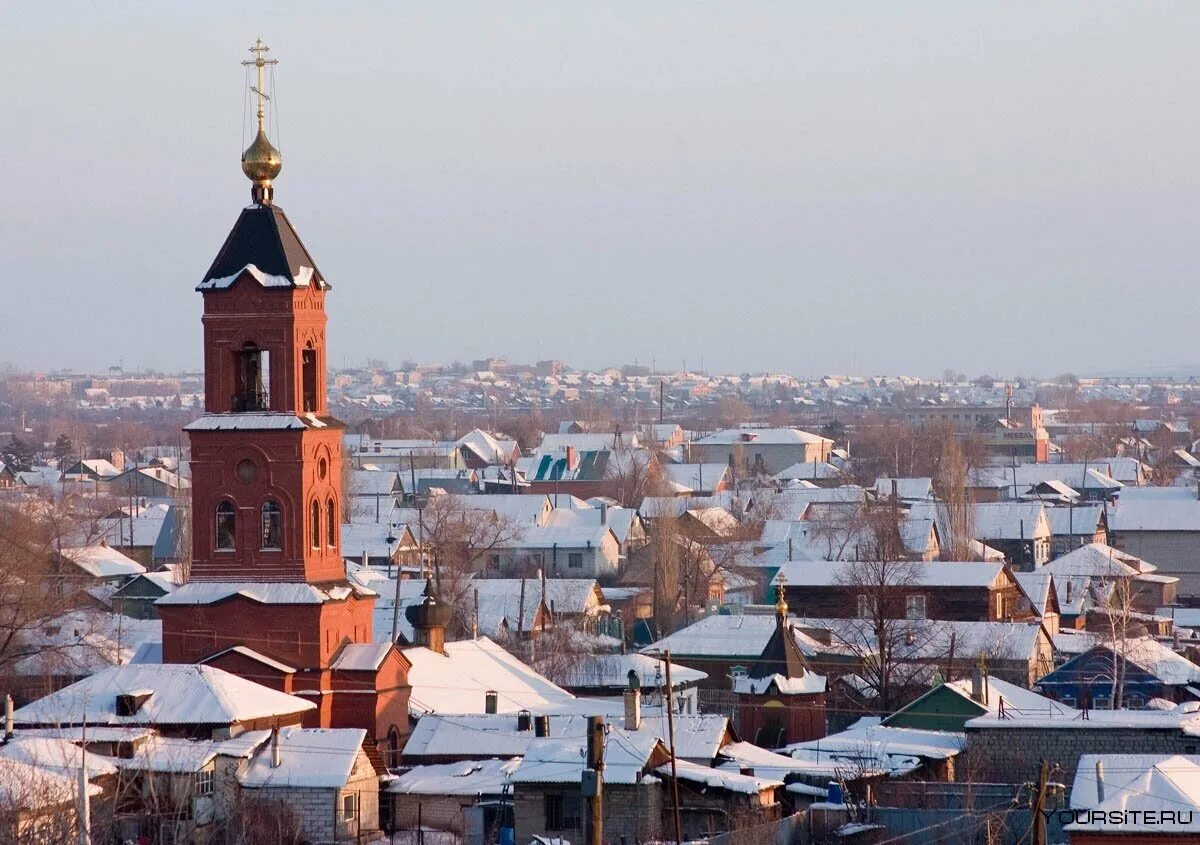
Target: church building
column 267, row 596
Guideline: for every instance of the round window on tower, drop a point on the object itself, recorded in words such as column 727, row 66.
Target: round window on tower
column 247, row 471
column 322, row 468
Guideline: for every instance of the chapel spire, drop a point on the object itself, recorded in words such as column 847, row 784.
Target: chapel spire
column 261, row 161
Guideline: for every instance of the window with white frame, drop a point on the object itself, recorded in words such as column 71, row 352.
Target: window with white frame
column 914, row 606
column 204, row 782
column 866, row 606
column 349, row 806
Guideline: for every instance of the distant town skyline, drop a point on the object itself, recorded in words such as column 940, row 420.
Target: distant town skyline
column 810, row 188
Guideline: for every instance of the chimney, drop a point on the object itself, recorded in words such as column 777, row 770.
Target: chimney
column 8, row 718
column 633, row 709
column 604, row 513
column 895, row 491
column 1099, row 781
column 276, row 759
column 117, row 459
column 490, row 700
column 541, row 726
column 571, row 461
column 977, row 685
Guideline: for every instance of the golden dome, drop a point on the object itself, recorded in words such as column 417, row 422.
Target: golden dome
column 261, row 161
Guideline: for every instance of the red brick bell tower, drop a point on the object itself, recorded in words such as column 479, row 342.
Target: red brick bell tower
column 267, row 594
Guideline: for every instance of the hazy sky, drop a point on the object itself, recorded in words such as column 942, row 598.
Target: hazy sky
column 813, row 187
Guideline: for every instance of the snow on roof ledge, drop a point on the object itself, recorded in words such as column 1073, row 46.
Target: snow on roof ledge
column 267, row 280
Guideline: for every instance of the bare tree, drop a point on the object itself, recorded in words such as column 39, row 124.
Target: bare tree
column 460, row 540
column 951, row 487
column 880, row 633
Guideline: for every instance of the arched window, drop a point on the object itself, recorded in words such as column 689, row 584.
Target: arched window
column 308, row 370
column 315, row 523
column 252, row 374
column 226, row 527
column 331, row 523
column 272, row 525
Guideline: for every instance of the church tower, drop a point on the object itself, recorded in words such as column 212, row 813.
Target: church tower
column 267, row 594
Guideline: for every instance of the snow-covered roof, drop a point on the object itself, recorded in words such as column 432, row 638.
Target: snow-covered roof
column 311, row 758
column 689, row 477
column 248, row 421
column 36, row 787
column 1152, row 509
column 1075, row 520
column 808, row 684
column 550, row 760
column 923, row 573
column 469, row 777
column 209, row 592
column 743, row 636
column 455, row 682
column 761, row 436
column 907, row 489
column 1098, row 561
column 303, row 278
column 183, row 694
column 361, row 657
column 718, row 778
column 84, row 641
column 867, row 744
column 612, row 670
column 257, row 656
column 1129, row 794
column 56, row 754
column 477, row 734
column 103, row 561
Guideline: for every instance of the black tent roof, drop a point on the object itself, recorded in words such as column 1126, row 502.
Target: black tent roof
column 264, row 237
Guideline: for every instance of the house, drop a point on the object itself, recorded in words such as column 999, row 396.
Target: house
column 974, row 591
column 182, row 700
column 716, row 801
column 148, row 532
column 1006, row 747
column 100, row 565
column 38, row 804
column 610, row 675
column 1141, row 667
column 1101, row 564
column 547, row 798
column 696, row 479
column 1135, row 798
column 479, row 449
column 136, row 597
column 1076, row 525
column 1042, row 598
column 323, row 776
column 821, row 474
column 155, row 482
column 906, row 490
column 374, row 493
column 768, row 450
column 466, row 797
column 62, row 649
column 1160, row 524
column 1020, row 530
column 949, row 706
column 727, row 646
column 779, row 699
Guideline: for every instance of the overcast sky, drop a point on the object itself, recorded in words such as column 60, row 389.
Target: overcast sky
column 811, row 187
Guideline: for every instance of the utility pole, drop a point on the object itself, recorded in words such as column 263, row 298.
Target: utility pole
column 670, row 704
column 1039, row 803
column 592, row 783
